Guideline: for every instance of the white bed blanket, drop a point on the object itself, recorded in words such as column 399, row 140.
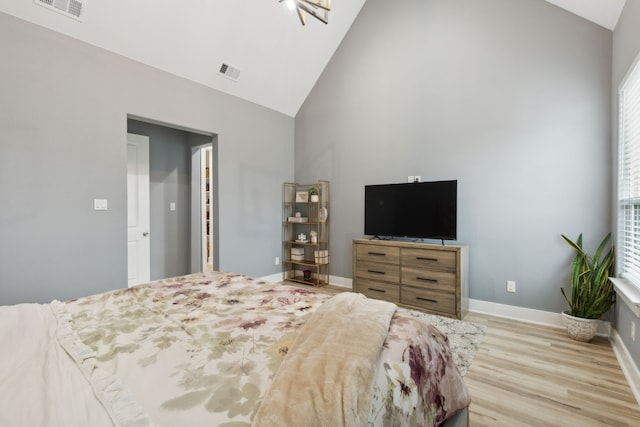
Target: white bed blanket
column 40, row 383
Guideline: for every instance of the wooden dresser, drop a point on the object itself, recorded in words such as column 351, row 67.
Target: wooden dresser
column 420, row 276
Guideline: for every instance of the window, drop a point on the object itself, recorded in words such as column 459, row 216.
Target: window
column 628, row 238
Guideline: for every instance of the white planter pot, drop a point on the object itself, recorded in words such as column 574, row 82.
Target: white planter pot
column 314, row 198
column 578, row 328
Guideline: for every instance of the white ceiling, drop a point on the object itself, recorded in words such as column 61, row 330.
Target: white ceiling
column 603, row 12
column 279, row 59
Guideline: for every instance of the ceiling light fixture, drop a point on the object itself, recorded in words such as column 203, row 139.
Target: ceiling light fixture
column 319, row 9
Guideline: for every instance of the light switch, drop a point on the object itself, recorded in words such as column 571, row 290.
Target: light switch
column 172, row 206
column 99, row 204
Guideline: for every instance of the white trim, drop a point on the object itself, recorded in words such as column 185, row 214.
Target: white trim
column 629, row 368
column 539, row 317
column 628, row 293
column 529, row 315
column 274, row 278
column 203, row 209
column 341, row 282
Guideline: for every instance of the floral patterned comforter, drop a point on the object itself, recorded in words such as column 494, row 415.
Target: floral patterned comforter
column 203, row 349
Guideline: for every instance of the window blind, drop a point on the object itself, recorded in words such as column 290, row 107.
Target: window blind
column 628, row 239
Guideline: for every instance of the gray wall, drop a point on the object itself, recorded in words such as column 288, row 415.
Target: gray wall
column 169, row 181
column 63, row 126
column 509, row 97
column 626, row 48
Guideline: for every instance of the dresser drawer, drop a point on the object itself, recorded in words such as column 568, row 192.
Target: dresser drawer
column 432, row 279
column 378, row 271
column 378, row 290
column 443, row 302
column 429, row 258
column 378, row 253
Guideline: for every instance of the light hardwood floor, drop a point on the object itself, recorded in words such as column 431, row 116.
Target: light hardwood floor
column 531, row 375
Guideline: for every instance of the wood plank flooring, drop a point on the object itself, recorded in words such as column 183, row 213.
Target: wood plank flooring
column 531, row 375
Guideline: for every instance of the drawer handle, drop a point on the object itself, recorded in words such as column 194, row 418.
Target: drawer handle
column 435, row 301
column 377, row 290
column 421, row 258
column 426, row 279
column 376, row 272
column 376, row 253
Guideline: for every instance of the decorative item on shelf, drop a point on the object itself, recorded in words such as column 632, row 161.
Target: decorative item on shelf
column 297, row 254
column 298, row 219
column 314, row 236
column 302, row 197
column 323, row 214
column 592, row 293
column 321, row 257
column 298, row 215
column 302, row 238
column 306, row 274
column 314, row 192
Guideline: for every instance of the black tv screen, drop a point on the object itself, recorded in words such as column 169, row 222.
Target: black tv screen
column 425, row 210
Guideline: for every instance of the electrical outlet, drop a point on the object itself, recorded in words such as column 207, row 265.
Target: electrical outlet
column 417, row 178
column 511, row 286
column 277, row 260
column 633, row 331
column 410, row 178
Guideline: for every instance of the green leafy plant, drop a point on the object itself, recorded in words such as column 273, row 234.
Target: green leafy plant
column 313, row 190
column 592, row 293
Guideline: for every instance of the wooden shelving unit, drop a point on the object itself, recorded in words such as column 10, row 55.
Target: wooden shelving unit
column 305, row 260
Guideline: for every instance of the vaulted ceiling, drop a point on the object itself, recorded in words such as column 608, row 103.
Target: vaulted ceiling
column 279, row 60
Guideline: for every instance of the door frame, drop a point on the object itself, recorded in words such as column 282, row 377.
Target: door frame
column 206, row 160
column 198, row 217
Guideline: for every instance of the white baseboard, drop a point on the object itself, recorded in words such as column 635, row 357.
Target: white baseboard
column 341, row 282
column 539, row 317
column 529, row 315
column 629, row 368
column 274, row 278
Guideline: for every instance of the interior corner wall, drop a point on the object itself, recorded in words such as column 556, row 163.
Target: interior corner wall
column 63, row 130
column 626, row 49
column 509, row 97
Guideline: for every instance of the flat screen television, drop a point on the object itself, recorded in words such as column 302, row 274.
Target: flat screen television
column 424, row 210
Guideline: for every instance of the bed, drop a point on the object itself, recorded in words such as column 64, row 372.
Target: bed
column 224, row 349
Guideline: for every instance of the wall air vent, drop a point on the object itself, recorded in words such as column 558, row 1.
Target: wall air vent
column 71, row 8
column 229, row 72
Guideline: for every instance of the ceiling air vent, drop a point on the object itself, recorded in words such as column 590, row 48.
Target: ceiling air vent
column 71, row 8
column 229, row 72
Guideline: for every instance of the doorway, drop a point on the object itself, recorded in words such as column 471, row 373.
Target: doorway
column 176, row 230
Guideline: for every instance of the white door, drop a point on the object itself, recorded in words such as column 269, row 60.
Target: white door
column 138, row 239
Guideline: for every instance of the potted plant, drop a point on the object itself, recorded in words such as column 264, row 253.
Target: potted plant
column 592, row 293
column 313, row 192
